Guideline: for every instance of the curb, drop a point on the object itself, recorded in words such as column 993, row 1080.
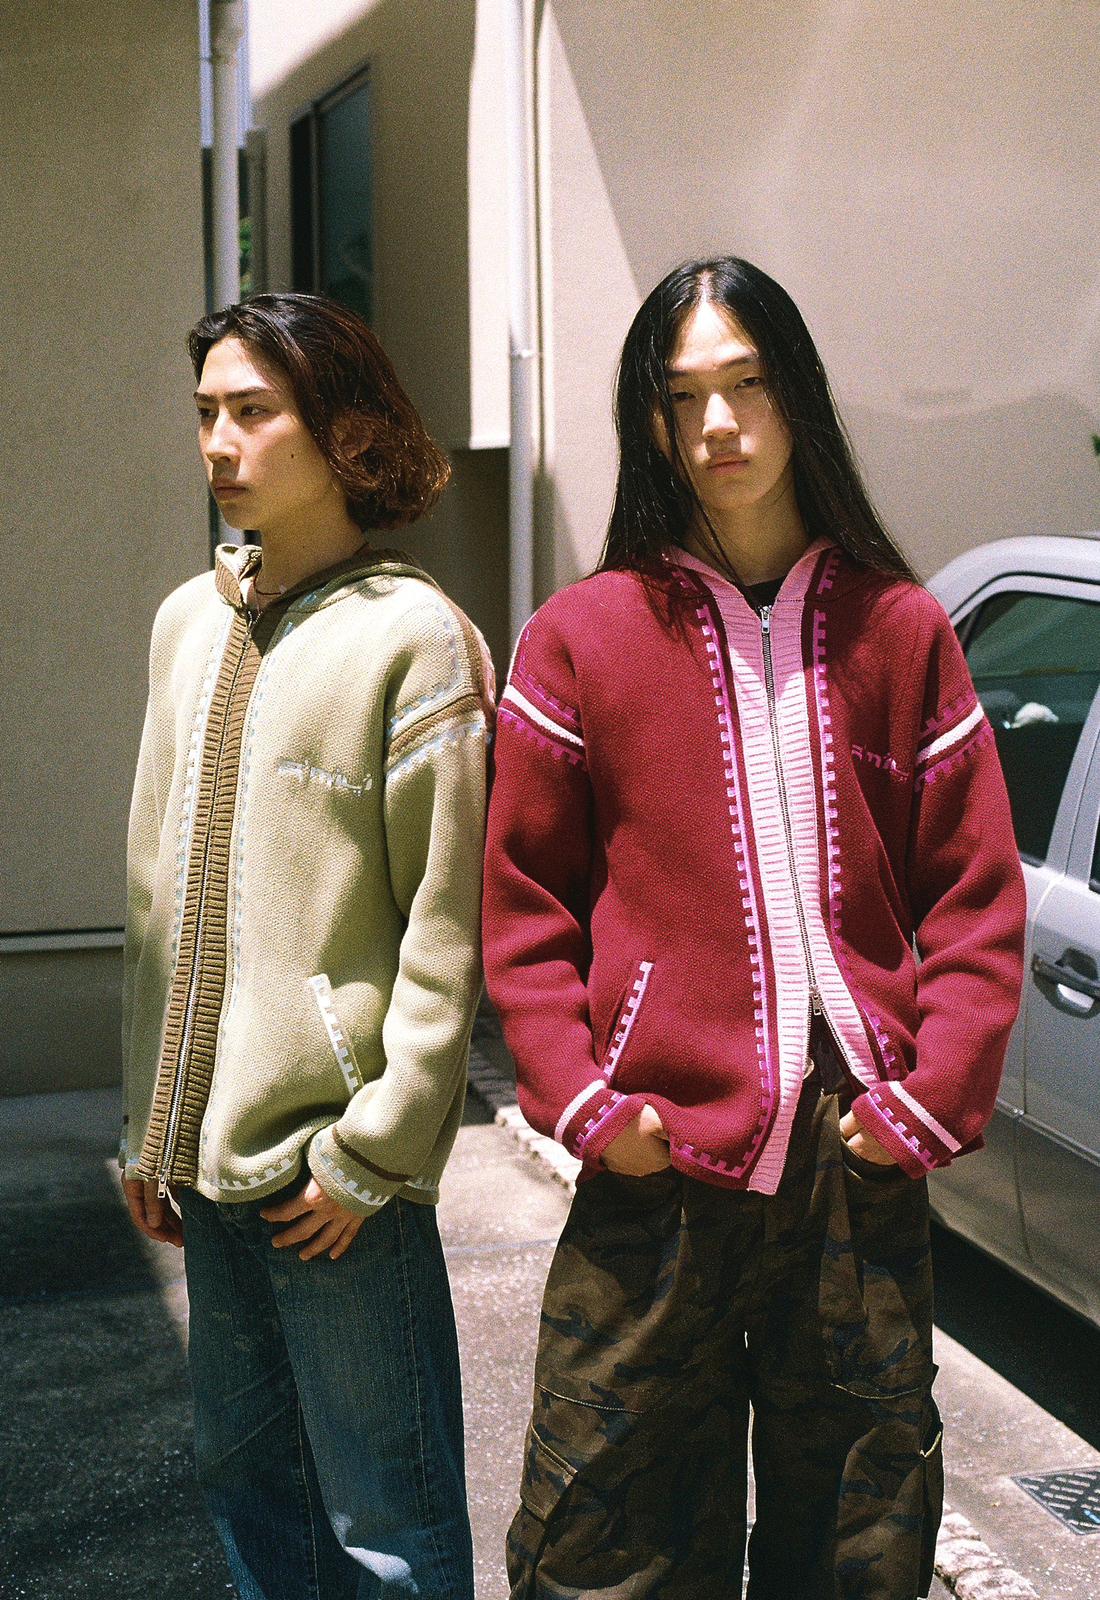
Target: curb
column 970, row 1569
column 965, row 1564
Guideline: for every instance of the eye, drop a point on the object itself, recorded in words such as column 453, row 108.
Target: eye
column 678, row 396
column 253, row 411
column 205, row 413
column 753, row 381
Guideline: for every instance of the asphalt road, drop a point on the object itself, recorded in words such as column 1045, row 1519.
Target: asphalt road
column 96, row 1495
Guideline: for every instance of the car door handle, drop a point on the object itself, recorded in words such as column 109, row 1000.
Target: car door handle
column 1066, row 977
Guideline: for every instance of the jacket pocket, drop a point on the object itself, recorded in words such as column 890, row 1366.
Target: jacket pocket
column 321, row 989
column 626, row 1015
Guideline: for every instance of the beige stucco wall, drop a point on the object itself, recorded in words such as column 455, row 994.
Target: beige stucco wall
column 439, row 236
column 923, row 179
column 101, row 505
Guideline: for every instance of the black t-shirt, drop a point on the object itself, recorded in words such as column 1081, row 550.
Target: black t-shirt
column 763, row 594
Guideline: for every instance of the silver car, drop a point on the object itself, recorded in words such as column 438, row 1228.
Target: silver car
column 1028, row 614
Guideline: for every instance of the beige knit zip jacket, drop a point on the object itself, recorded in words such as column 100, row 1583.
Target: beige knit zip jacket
column 304, row 869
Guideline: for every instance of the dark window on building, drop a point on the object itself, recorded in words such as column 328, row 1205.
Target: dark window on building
column 331, row 212
column 1035, row 660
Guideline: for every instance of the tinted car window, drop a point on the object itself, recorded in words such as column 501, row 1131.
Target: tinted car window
column 1035, row 660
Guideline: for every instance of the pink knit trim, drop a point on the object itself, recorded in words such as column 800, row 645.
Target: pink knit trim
column 908, row 1137
column 982, row 735
column 828, row 571
column 538, row 692
column 750, row 910
column 854, row 1035
column 627, row 1019
column 946, row 715
column 791, row 992
column 559, row 751
column 595, row 1121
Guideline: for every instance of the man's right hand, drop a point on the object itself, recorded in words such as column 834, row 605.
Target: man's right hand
column 151, row 1212
column 642, row 1147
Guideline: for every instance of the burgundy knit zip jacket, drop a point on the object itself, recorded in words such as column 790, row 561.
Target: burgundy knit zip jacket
column 707, row 824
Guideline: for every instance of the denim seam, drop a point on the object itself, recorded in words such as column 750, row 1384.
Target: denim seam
column 422, row 1473
column 315, row 1571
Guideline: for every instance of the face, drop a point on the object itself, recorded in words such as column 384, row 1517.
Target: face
column 262, row 462
column 735, row 446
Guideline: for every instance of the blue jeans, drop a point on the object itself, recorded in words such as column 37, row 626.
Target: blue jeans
column 328, row 1407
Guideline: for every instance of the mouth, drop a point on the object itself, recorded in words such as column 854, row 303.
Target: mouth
column 227, row 491
column 727, row 463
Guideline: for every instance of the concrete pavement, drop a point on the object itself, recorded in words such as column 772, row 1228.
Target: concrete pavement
column 97, row 1495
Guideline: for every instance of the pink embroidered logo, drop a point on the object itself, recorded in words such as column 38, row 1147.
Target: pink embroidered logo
column 886, row 763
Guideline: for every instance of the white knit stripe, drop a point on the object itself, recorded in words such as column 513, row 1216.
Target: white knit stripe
column 901, row 1093
column 578, row 1100
column 945, row 740
column 341, row 1044
column 540, row 718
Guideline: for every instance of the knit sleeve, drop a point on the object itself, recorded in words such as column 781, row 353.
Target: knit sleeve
column 967, row 893
column 537, row 896
column 154, row 766
column 434, row 818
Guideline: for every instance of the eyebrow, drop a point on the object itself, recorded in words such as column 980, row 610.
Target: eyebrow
column 236, row 394
column 734, row 361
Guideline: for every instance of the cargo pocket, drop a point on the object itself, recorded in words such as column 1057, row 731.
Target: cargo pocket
column 546, row 1481
column 932, row 1465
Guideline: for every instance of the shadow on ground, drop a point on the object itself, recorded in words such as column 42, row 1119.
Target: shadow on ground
column 97, row 1489
column 1048, row 1353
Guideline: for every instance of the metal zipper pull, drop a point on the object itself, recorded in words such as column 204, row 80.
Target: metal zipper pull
column 765, row 619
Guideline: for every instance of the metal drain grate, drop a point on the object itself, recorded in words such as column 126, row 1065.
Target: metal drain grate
column 1072, row 1497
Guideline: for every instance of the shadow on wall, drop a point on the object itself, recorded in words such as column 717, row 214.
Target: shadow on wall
column 420, row 58
column 869, row 158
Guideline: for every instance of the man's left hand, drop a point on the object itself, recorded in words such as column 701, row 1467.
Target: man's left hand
column 863, row 1144
column 317, row 1219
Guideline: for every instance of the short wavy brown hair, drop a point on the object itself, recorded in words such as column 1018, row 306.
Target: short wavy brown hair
column 348, row 395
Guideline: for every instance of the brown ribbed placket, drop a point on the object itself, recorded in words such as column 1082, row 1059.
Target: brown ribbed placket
column 171, row 1148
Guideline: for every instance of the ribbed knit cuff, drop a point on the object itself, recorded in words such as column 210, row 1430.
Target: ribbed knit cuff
column 917, row 1142
column 346, row 1178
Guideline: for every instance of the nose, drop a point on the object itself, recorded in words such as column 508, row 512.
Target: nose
column 719, row 418
column 219, row 443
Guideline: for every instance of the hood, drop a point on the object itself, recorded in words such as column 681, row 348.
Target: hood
column 234, row 563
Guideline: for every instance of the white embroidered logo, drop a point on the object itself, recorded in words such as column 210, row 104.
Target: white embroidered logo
column 305, row 772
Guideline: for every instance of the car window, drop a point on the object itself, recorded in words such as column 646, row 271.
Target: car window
column 1035, row 661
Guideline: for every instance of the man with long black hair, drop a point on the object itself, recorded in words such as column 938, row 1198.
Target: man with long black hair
column 741, row 772
column 302, row 967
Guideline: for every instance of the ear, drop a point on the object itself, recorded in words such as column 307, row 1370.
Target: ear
column 659, row 433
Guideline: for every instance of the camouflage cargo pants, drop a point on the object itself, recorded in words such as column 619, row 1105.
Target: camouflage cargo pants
column 670, row 1307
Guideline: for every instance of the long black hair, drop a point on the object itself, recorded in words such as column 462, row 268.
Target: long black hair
column 654, row 501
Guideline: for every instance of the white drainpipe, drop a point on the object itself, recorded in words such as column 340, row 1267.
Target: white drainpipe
column 226, row 32
column 521, row 319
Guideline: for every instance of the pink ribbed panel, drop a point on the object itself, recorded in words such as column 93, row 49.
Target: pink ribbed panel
column 750, row 912
column 746, row 653
column 745, row 640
